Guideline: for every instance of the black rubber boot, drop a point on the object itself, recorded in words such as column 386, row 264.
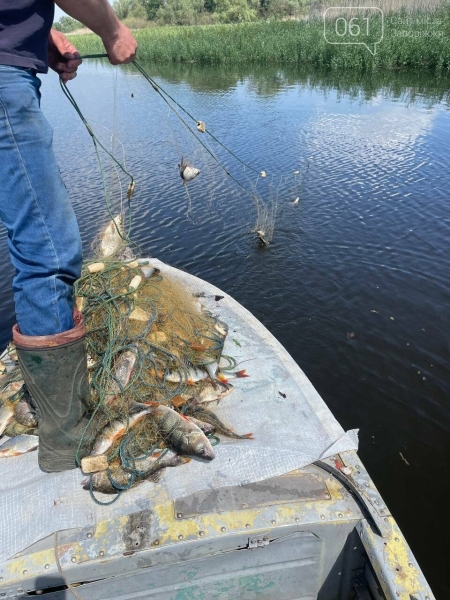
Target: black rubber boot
column 54, row 368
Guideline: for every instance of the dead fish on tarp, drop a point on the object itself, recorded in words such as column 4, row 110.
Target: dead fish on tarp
column 224, row 377
column 212, row 392
column 25, row 414
column 187, row 173
column 202, row 413
column 122, row 372
column 14, row 428
column 180, row 434
column 8, row 359
column 148, row 469
column 189, row 375
column 207, row 428
column 117, row 428
column 19, row 445
column 6, row 415
column 112, row 237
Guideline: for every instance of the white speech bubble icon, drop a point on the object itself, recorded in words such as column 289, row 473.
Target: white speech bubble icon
column 354, row 25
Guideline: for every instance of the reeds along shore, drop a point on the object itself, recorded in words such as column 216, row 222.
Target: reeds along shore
column 417, row 39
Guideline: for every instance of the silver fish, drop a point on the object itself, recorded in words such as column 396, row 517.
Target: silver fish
column 148, row 468
column 189, row 376
column 211, row 366
column 122, row 374
column 187, row 173
column 117, row 428
column 6, row 416
column 200, row 412
column 14, row 428
column 207, row 428
column 213, row 392
column 182, row 435
column 25, row 414
column 112, row 237
column 19, row 445
column 9, row 359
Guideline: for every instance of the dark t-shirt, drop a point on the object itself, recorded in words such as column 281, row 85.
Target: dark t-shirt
column 24, row 29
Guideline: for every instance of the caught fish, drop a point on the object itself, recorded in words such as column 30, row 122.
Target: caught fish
column 112, row 237
column 6, row 416
column 213, row 392
column 9, row 359
column 221, row 328
column 210, row 366
column 180, row 434
column 261, row 235
column 102, row 483
column 207, row 428
column 25, row 414
column 117, row 428
column 148, row 468
column 14, row 428
column 190, row 376
column 12, row 388
column 296, row 201
column 187, row 173
column 202, row 413
column 19, row 445
column 224, row 377
column 122, row 374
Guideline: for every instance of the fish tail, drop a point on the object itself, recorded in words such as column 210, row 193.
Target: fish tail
column 241, row 373
column 221, row 377
column 248, row 436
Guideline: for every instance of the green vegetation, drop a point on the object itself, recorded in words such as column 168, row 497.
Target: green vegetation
column 404, row 44
column 67, row 24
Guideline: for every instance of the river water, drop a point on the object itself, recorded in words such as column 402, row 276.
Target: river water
column 355, row 283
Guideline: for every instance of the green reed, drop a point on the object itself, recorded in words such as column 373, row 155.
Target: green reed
column 417, row 39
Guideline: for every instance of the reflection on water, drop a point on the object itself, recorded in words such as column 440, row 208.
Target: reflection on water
column 363, row 253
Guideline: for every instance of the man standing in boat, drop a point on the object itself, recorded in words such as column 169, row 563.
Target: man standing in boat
column 43, row 236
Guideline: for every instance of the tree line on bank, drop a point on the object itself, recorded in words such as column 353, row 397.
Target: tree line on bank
column 145, row 13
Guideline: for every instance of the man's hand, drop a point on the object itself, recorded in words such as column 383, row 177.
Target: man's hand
column 120, row 45
column 63, row 57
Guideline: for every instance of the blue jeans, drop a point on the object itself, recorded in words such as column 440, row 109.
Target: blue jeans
column 43, row 236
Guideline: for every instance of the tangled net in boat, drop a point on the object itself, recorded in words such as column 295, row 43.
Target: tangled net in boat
column 155, row 363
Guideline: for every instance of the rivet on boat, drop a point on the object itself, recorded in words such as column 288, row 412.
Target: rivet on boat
column 222, row 529
column 179, row 515
column 25, row 572
column 46, row 566
column 74, row 559
column 322, row 517
column 101, row 553
column 201, row 533
column 265, row 538
column 89, row 535
column 297, row 520
column 273, row 521
column 156, row 543
column 180, row 537
column 247, row 525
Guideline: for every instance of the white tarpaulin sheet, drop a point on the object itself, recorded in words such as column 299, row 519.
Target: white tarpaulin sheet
column 290, row 432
